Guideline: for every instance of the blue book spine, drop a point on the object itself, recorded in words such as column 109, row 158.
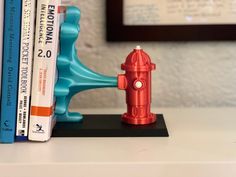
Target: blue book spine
column 1, row 42
column 12, row 28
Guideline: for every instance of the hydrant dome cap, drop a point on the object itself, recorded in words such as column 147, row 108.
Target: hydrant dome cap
column 138, row 60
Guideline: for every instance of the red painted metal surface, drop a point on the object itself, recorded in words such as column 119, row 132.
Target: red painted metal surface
column 137, row 83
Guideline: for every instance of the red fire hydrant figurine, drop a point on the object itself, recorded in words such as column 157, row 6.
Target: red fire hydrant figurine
column 137, row 83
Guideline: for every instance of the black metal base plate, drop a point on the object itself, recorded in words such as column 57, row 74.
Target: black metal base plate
column 109, row 126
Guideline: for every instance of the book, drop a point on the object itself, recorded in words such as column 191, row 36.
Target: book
column 12, row 25
column 25, row 69
column 1, row 41
column 44, row 70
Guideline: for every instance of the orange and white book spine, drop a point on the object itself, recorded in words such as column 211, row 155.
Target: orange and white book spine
column 44, row 70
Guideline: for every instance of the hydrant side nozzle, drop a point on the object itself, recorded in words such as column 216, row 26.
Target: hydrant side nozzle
column 153, row 66
column 122, row 82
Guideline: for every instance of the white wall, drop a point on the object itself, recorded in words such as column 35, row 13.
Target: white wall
column 188, row 73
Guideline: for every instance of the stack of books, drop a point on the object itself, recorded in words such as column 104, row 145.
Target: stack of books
column 29, row 31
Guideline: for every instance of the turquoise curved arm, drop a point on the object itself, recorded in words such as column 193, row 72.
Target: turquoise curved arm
column 73, row 76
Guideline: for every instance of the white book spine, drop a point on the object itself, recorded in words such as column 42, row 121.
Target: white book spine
column 25, row 67
column 1, row 39
column 44, row 69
